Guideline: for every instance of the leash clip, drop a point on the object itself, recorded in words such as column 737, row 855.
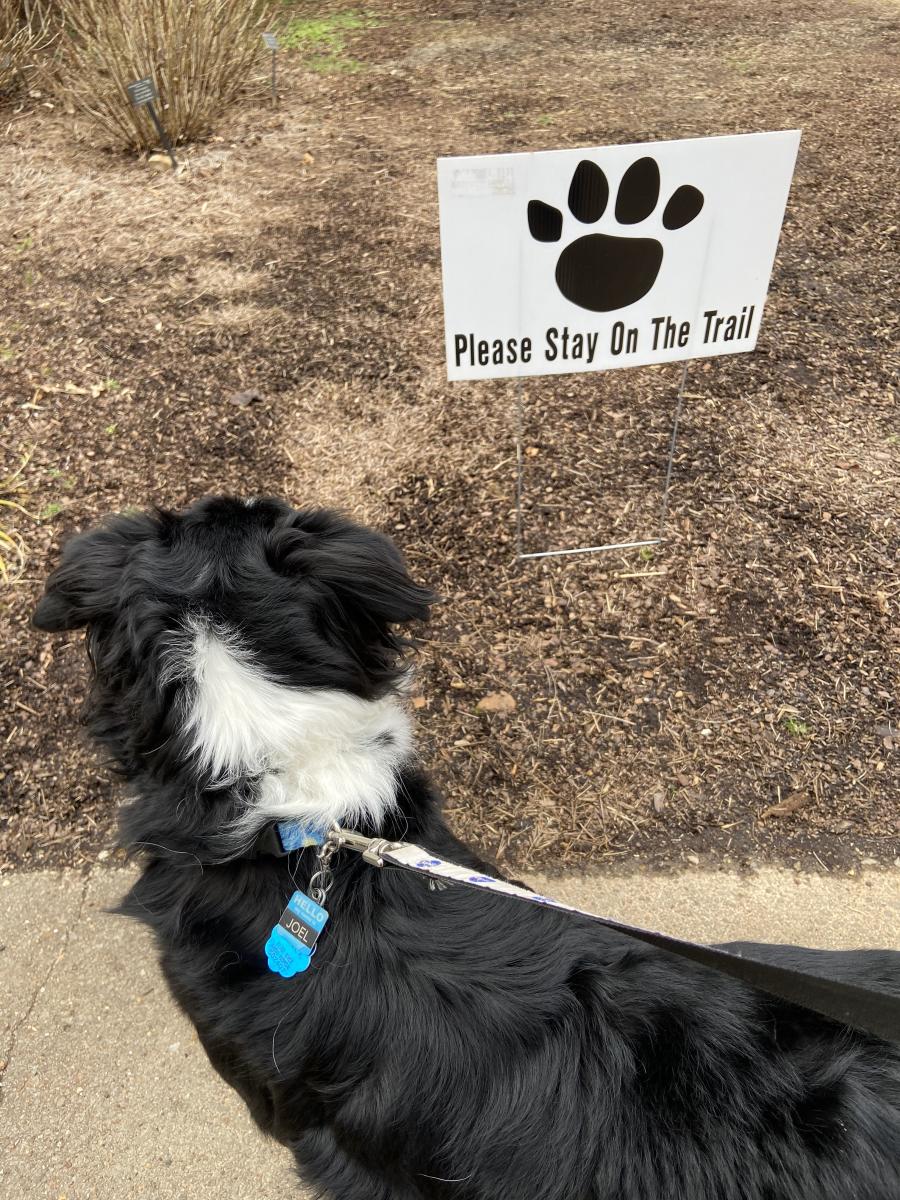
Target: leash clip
column 373, row 852
column 371, row 849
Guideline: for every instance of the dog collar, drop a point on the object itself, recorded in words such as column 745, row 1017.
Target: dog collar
column 280, row 838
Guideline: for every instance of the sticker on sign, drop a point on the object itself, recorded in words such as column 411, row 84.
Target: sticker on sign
column 615, row 256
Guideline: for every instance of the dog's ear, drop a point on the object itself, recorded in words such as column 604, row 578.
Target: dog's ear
column 357, row 572
column 366, row 572
column 86, row 584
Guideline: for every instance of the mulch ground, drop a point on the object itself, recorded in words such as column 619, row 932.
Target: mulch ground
column 727, row 698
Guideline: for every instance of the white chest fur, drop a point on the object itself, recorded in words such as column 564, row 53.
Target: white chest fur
column 318, row 754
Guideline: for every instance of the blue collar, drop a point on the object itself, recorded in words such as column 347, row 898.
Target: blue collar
column 297, row 835
column 280, row 838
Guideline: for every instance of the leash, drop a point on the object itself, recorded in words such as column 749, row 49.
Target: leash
column 866, row 1009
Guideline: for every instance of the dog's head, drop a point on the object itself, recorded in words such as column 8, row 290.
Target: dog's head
column 225, row 614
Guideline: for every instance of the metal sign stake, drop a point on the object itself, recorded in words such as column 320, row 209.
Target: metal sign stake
column 520, row 545
column 673, row 442
column 163, row 136
column 271, row 42
column 142, row 93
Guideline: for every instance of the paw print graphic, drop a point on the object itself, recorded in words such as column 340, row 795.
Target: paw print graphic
column 606, row 271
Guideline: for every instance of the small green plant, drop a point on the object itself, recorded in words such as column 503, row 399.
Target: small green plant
column 796, row 727
column 646, row 553
column 323, row 40
column 53, row 509
column 62, row 480
column 25, row 244
column 112, row 385
column 6, row 353
column 334, row 64
column 111, row 430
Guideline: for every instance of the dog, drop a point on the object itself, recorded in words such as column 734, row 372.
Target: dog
column 248, row 668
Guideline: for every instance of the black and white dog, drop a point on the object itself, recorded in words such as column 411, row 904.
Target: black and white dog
column 452, row 1044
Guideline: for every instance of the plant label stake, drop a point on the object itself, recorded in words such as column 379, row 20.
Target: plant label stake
column 142, row 93
column 271, row 42
column 609, row 257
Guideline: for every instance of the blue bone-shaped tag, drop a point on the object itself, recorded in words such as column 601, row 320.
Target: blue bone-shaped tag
column 293, row 940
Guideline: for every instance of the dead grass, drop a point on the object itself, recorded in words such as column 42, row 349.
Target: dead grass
column 13, row 497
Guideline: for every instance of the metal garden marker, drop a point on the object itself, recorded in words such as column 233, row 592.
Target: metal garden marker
column 271, row 42
column 142, row 93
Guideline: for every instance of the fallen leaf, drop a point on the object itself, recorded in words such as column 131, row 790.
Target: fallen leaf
column 790, row 804
column 496, row 702
column 659, row 801
column 419, row 702
column 308, row 158
column 244, row 398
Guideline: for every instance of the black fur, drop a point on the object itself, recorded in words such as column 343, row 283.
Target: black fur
column 443, row 1043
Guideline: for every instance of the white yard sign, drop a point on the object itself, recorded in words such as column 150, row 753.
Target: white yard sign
column 584, row 260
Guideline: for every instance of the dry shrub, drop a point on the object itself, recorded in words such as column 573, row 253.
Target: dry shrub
column 198, row 52
column 25, row 31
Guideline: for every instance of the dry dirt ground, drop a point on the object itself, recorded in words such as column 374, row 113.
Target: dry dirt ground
column 730, row 697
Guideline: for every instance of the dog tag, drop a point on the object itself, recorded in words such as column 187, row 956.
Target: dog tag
column 293, row 940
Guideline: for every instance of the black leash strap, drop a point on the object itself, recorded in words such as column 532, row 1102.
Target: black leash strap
column 868, row 1010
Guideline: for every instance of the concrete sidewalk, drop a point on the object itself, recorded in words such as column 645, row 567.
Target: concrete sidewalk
column 107, row 1094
